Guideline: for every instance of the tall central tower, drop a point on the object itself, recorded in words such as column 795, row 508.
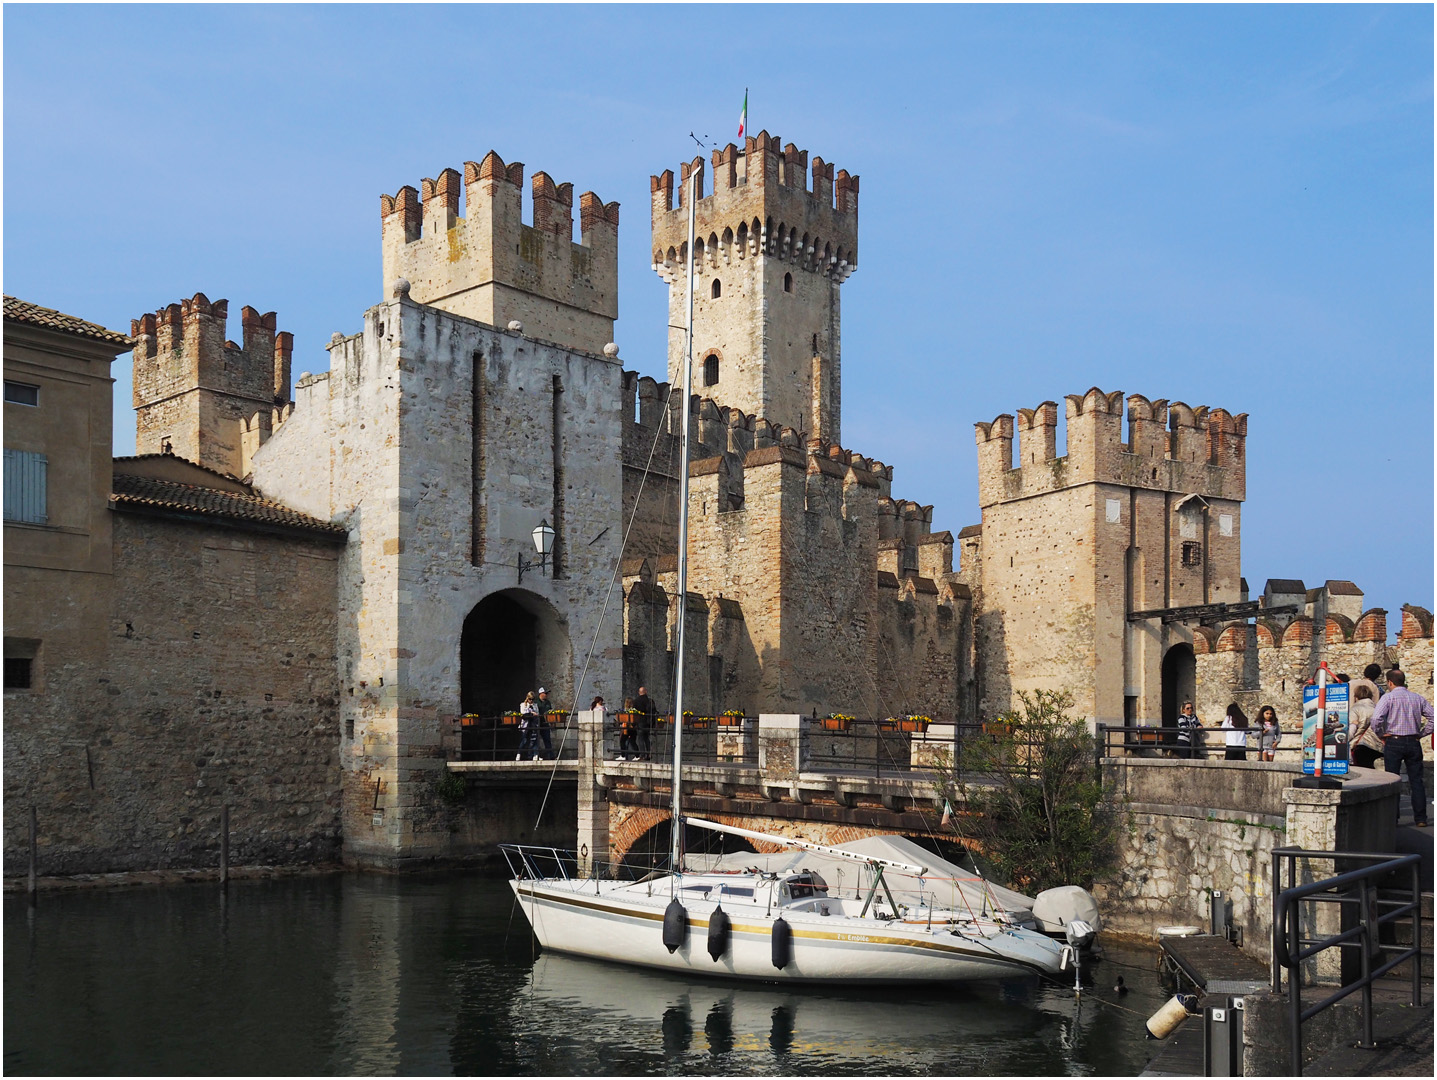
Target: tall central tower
column 771, row 253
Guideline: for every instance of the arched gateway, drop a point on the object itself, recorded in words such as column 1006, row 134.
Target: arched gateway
column 1179, row 680
column 513, row 642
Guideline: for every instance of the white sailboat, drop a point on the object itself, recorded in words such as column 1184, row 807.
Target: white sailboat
column 776, row 925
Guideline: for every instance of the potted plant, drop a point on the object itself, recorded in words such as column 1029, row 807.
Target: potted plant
column 914, row 723
column 558, row 716
column 835, row 722
column 731, row 718
column 697, row 723
column 469, row 719
column 510, row 718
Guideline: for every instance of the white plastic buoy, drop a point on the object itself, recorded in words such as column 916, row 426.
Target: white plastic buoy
column 1162, row 1023
column 1179, row 931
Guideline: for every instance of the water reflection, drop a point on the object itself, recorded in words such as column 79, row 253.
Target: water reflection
column 400, row 976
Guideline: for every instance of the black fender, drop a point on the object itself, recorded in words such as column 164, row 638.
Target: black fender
column 782, row 941
column 719, row 928
column 676, row 925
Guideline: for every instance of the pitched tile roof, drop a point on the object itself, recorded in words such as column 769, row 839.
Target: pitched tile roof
column 23, row 311
column 1285, row 585
column 145, row 493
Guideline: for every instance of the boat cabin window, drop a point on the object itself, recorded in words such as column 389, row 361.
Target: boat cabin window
column 804, row 887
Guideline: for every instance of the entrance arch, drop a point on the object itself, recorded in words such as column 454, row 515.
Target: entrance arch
column 513, row 642
column 1179, row 680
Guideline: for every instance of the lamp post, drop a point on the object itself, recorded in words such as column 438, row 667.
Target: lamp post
column 543, row 535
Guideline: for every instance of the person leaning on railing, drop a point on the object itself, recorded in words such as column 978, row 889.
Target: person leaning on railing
column 1399, row 720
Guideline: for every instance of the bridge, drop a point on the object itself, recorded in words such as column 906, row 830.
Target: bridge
column 842, row 778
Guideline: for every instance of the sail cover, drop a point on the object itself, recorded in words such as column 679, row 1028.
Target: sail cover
column 946, row 885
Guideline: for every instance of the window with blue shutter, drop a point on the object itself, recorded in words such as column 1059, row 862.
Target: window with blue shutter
column 25, row 486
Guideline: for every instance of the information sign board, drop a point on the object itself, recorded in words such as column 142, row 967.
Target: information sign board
column 1333, row 721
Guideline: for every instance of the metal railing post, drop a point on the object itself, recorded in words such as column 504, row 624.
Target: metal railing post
column 1368, row 939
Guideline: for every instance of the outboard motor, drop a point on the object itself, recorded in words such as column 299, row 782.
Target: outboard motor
column 1080, row 933
column 782, row 940
column 676, row 925
column 718, row 934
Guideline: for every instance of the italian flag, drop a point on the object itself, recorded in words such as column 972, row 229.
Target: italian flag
column 743, row 115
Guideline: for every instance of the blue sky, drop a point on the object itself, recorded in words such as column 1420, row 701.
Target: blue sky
column 1229, row 206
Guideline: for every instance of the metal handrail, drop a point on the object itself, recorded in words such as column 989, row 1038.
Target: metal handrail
column 1290, row 949
column 1139, row 737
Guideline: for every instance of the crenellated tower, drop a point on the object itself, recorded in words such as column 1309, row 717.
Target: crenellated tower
column 1072, row 543
column 490, row 266
column 202, row 397
column 771, row 252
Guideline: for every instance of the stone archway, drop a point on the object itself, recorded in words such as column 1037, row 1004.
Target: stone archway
column 512, row 642
column 1179, row 680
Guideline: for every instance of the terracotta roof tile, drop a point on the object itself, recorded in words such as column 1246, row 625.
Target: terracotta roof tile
column 141, row 491
column 22, row 311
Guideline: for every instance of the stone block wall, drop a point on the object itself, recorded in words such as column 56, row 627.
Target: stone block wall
column 442, row 443
column 1189, row 827
column 214, row 682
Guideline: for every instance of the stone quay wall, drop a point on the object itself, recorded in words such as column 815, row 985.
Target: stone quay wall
column 1191, row 827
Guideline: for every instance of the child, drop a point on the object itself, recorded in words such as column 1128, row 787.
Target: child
column 1271, row 733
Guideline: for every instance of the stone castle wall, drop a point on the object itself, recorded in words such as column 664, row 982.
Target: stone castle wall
column 214, row 683
column 442, row 443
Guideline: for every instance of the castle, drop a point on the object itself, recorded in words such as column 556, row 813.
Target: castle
column 483, row 396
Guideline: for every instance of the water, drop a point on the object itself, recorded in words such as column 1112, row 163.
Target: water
column 374, row 975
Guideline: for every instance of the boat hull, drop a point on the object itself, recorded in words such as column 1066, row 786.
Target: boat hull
column 613, row 924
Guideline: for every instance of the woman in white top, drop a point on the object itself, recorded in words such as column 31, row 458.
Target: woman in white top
column 1235, row 725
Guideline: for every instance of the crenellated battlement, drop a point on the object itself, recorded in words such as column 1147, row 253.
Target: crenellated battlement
column 1169, row 447
column 192, row 385
column 758, row 202
column 490, row 265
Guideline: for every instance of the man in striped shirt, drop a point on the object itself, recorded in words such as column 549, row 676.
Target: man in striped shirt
column 1399, row 720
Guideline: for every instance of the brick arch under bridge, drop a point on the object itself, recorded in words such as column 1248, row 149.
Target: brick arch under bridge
column 630, row 824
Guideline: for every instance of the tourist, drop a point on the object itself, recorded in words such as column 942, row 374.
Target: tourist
column 628, row 733
column 1189, row 731
column 1400, row 719
column 545, row 708
column 1366, row 746
column 647, row 713
column 528, row 726
column 1235, row 724
column 1269, row 732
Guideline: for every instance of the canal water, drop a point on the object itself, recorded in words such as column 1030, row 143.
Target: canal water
column 376, row 975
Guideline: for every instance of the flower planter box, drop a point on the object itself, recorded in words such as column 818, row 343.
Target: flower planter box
column 509, row 719
column 698, row 723
column 731, row 721
column 834, row 723
column 558, row 718
column 996, row 727
column 912, row 724
column 469, row 720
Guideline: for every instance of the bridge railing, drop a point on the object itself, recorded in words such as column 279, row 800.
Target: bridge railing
column 1147, row 740
column 497, row 738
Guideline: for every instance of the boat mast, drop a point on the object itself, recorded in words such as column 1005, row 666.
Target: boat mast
column 676, row 824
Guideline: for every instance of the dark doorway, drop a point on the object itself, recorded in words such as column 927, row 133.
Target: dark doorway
column 1179, row 681
column 498, row 654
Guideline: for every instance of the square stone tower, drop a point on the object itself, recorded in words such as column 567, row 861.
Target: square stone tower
column 771, row 253
column 491, row 267
column 202, row 397
column 1070, row 545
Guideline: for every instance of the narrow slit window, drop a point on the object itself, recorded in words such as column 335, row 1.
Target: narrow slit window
column 717, row 290
column 18, row 393
column 788, row 283
column 711, row 369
